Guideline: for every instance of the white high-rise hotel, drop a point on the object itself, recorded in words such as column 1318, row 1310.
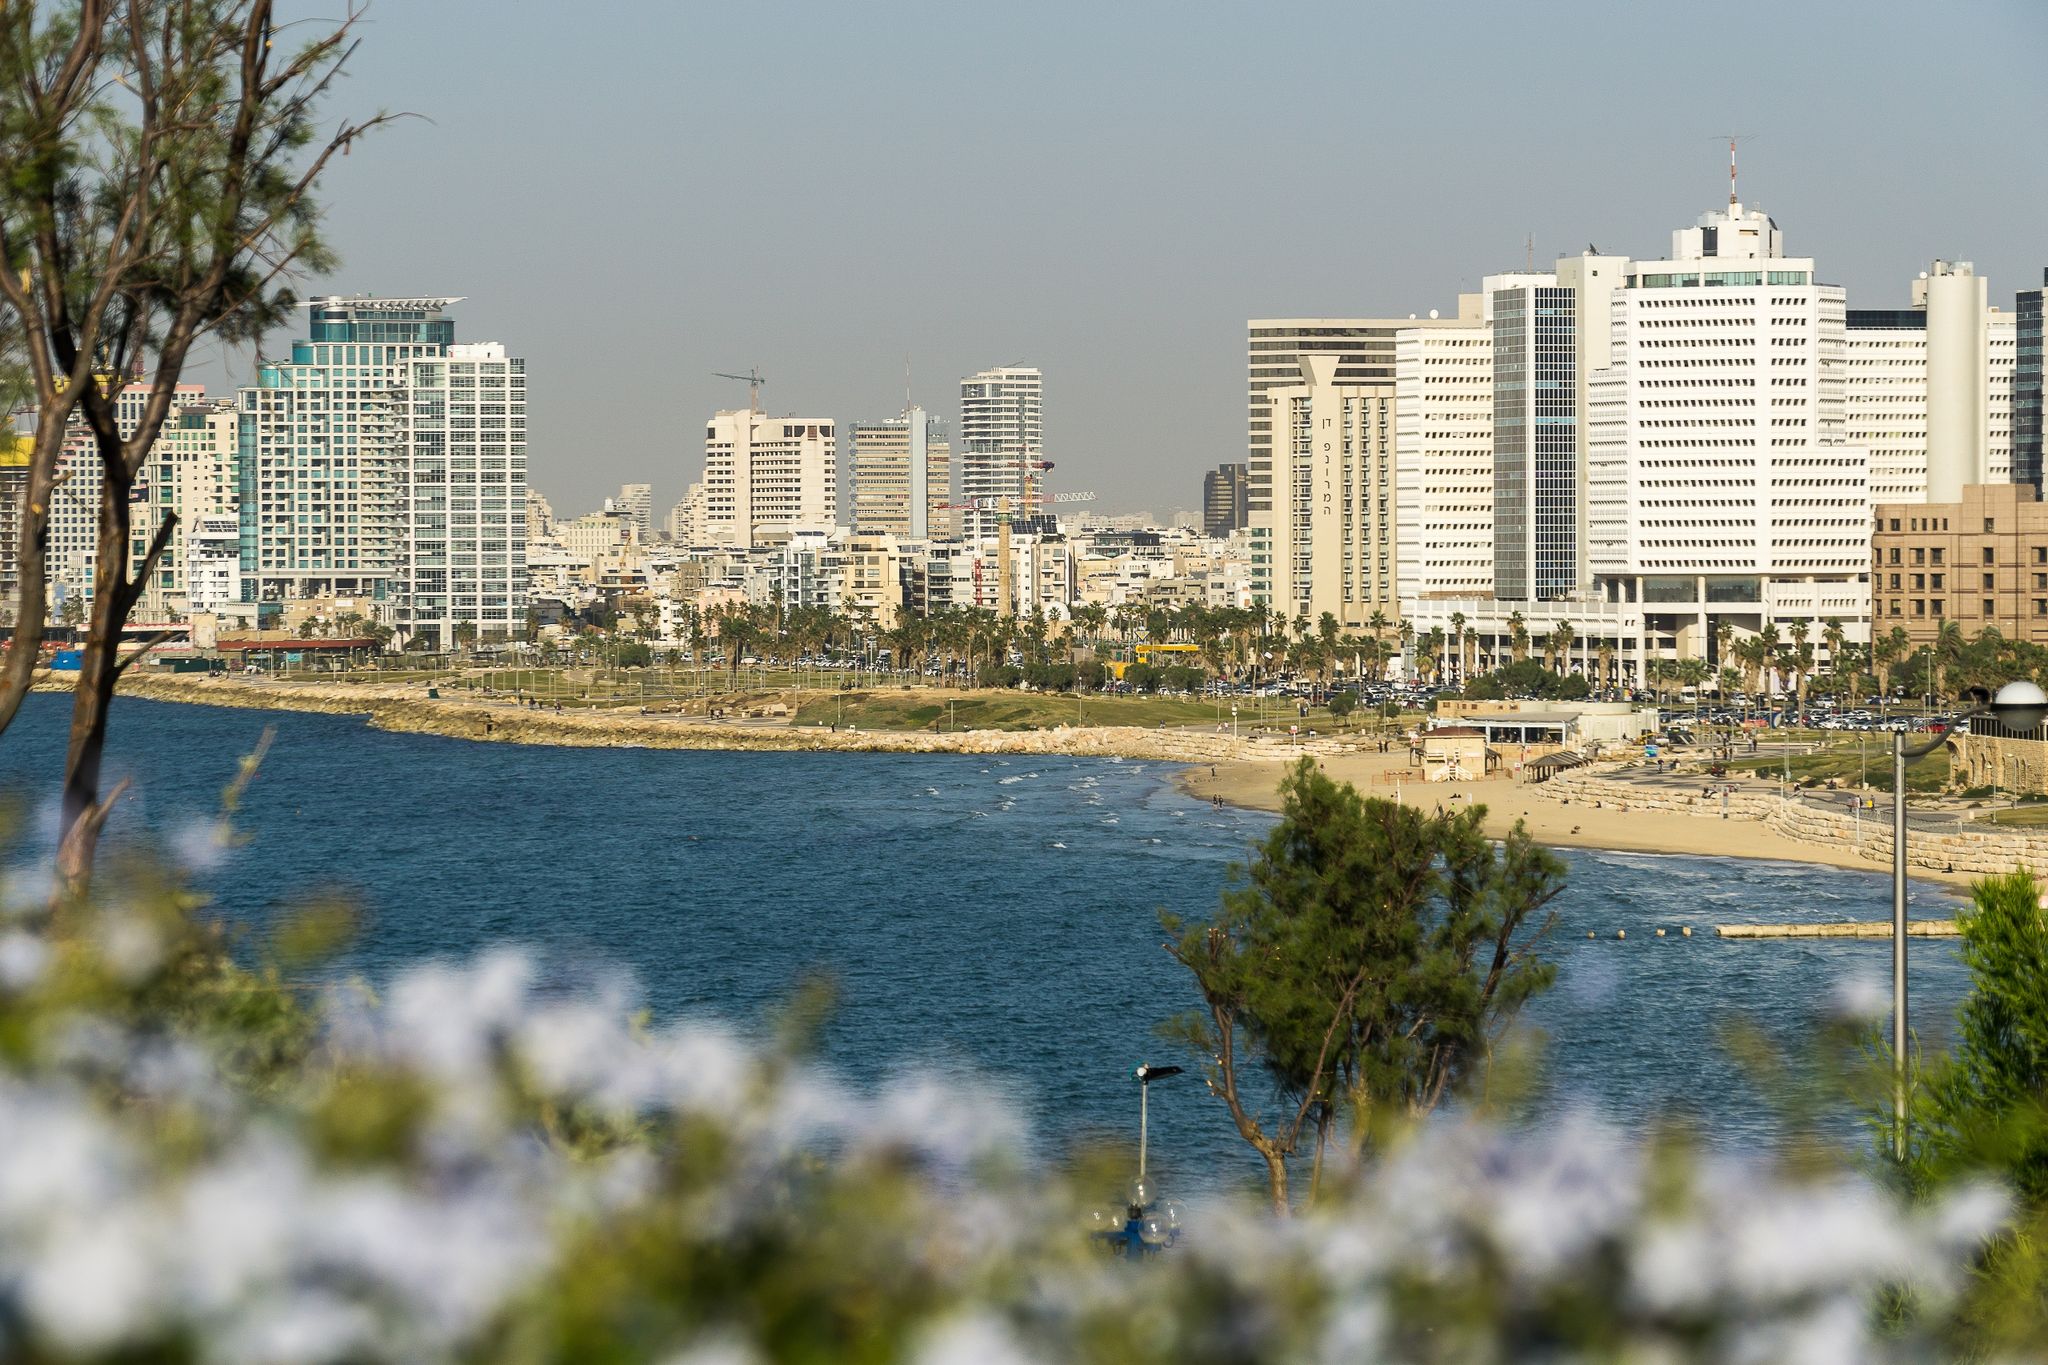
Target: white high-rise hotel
column 1712, row 478
column 767, row 476
column 1720, row 482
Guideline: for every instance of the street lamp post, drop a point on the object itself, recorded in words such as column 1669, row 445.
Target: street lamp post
column 2018, row 706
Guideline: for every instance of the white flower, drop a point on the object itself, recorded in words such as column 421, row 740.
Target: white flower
column 298, row 1327
column 22, row 958
column 975, row 1339
column 97, row 1280
column 1861, row 997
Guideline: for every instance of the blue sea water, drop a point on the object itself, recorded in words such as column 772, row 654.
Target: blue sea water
column 987, row 916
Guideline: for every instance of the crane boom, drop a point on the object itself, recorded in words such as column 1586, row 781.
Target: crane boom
column 752, row 379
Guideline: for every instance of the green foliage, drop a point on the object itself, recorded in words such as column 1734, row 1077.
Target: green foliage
column 1365, row 962
column 1980, row 1111
column 1527, row 678
column 1342, row 704
column 1984, row 1105
column 1142, row 677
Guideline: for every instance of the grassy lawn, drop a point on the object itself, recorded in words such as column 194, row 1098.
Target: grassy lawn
column 1002, row 710
column 2031, row 815
column 1846, row 766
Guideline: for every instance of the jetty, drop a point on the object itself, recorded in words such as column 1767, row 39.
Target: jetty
column 1859, row 928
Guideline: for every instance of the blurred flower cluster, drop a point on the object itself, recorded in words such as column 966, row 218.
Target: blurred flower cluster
column 219, row 1151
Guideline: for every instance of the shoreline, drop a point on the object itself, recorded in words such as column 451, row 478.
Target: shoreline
column 404, row 709
column 1244, row 772
column 1552, row 822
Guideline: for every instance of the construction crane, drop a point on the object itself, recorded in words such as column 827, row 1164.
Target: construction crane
column 752, row 379
column 1006, row 587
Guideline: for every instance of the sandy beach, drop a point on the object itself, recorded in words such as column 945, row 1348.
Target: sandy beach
column 1549, row 821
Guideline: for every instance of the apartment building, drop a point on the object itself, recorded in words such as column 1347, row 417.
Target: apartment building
column 192, row 471
column 456, row 448
column 320, row 474
column 1002, row 447
column 903, row 476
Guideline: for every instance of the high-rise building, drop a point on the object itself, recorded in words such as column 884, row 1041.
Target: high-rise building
column 1225, row 504
column 768, row 474
column 457, row 443
column 1932, row 384
column 320, row 475
column 1320, row 487
column 636, row 500
column 1535, row 438
column 1722, row 484
column 2027, row 389
column 1002, row 447
column 1884, row 398
column 1443, row 457
column 902, row 477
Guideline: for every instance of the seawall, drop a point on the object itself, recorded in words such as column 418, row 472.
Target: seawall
column 1961, row 852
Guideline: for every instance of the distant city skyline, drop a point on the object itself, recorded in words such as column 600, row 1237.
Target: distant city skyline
column 639, row 243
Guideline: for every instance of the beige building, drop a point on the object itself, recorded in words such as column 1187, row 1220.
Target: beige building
column 1982, row 561
column 1321, row 443
column 902, row 477
column 873, row 578
column 764, row 472
column 191, row 470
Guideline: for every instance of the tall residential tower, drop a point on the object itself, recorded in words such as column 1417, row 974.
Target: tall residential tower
column 1002, row 446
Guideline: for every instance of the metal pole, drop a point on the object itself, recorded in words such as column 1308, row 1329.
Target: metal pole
column 1899, row 944
column 1144, row 1116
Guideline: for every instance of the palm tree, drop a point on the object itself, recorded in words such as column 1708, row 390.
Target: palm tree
column 1562, row 637
column 1605, row 651
column 1833, row 636
column 1458, row 640
column 1518, row 637
column 1948, row 650
column 1802, row 662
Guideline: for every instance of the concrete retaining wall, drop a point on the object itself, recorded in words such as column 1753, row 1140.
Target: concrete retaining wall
column 1978, row 852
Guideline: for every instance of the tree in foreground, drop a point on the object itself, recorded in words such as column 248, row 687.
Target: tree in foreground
column 1980, row 1110
column 1362, row 970
column 159, row 165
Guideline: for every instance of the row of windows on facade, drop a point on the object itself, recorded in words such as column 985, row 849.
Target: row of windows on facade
column 1937, row 607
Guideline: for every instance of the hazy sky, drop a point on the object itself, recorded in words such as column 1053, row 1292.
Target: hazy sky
column 635, row 193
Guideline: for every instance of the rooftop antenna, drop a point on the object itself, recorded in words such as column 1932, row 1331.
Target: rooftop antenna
column 906, row 381
column 1529, row 252
column 1734, row 138
column 752, row 379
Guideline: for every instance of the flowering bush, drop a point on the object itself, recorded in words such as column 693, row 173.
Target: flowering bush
column 201, row 1160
